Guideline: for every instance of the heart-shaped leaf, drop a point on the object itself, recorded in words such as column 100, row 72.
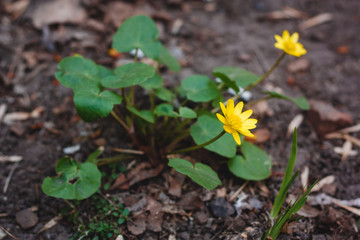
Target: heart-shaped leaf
column 144, row 114
column 154, row 82
column 138, row 32
column 74, row 180
column 199, row 88
column 200, row 173
column 164, row 94
column 92, row 104
column 165, row 109
column 208, row 127
column 227, row 81
column 77, row 73
column 301, row 102
column 241, row 76
column 168, row 60
column 128, row 75
column 254, row 165
column 186, row 112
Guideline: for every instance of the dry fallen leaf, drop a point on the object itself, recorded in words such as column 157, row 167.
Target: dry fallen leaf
column 350, row 209
column 50, row 224
column 305, row 177
column 325, row 181
column 11, row 158
column 317, row 20
column 295, row 123
column 58, row 11
column 346, row 149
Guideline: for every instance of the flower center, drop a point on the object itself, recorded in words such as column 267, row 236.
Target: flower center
column 234, row 122
column 289, row 45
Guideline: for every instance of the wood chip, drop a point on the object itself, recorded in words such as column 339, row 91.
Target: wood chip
column 286, row 13
column 10, row 118
column 346, row 149
column 3, row 108
column 317, row 20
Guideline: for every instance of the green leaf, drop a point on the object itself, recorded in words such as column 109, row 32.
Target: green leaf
column 92, row 158
column 227, row 81
column 200, row 173
column 103, row 72
column 164, row 94
column 301, row 102
column 199, row 88
column 77, row 73
column 151, row 83
column 208, row 127
column 254, row 165
column 241, row 76
column 165, row 109
column 144, row 114
column 168, row 60
column 280, row 198
column 186, row 112
column 128, row 75
column 74, row 180
column 138, row 32
column 92, row 104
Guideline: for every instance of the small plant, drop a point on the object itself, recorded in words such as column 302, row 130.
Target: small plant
column 163, row 126
column 287, row 215
column 104, row 224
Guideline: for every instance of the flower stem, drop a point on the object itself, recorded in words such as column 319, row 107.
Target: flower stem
column 198, row 146
column 119, row 120
column 267, row 73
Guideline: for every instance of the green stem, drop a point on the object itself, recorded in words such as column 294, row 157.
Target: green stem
column 262, row 78
column 198, row 146
column 267, row 73
column 119, row 120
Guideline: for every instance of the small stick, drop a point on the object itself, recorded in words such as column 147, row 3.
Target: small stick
column 232, row 198
column 130, row 151
column 7, row 182
column 8, row 233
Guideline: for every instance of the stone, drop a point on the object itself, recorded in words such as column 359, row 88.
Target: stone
column 26, row 218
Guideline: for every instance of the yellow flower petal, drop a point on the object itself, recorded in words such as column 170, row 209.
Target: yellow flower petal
column 278, row 39
column 294, row 37
column 236, row 138
column 228, row 129
column 245, row 115
column 230, row 106
column 223, row 109
column 286, row 35
column 222, row 119
column 246, row 132
column 238, row 108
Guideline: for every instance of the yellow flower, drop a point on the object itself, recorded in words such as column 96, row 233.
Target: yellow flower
column 236, row 122
column 290, row 44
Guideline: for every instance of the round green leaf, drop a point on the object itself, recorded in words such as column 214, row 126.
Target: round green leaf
column 144, row 114
column 186, row 112
column 77, row 73
column 168, row 60
column 200, row 173
column 164, row 94
column 301, row 102
column 138, row 32
column 74, row 180
column 241, row 76
column 165, row 109
column 254, row 165
column 128, row 75
column 199, row 88
column 92, row 104
column 151, row 83
column 208, row 127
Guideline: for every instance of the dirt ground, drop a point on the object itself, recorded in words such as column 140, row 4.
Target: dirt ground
column 210, row 34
